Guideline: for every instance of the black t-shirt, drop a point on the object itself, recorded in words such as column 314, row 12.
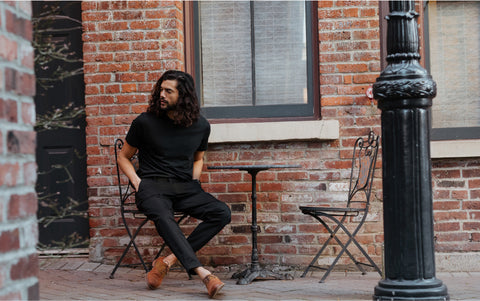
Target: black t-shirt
column 166, row 149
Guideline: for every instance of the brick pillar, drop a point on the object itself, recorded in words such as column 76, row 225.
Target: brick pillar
column 18, row 200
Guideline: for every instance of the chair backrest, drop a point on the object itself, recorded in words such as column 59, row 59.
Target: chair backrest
column 363, row 168
column 129, row 191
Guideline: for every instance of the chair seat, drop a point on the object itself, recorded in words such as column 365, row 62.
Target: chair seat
column 319, row 210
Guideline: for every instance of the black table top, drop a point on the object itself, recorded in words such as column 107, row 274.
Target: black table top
column 254, row 167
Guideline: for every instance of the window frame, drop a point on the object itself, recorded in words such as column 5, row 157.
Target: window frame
column 436, row 134
column 309, row 111
column 447, row 133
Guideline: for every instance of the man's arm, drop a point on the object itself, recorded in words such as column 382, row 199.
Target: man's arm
column 126, row 165
column 197, row 165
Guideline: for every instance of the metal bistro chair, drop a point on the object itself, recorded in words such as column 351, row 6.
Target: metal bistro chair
column 361, row 178
column 128, row 209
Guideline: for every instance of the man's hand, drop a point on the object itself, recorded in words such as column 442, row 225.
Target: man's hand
column 136, row 183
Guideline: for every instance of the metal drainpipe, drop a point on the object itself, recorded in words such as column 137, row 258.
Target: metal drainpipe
column 404, row 92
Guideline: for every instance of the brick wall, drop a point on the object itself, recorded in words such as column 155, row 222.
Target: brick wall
column 456, row 186
column 18, row 202
column 127, row 45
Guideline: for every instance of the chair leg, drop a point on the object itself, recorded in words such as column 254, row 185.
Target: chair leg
column 330, row 268
column 344, row 247
column 312, row 263
column 130, row 243
column 357, row 263
column 372, row 263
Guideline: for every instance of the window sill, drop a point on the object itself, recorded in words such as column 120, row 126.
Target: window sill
column 455, row 148
column 275, row 131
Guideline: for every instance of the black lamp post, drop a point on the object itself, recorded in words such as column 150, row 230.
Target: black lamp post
column 404, row 92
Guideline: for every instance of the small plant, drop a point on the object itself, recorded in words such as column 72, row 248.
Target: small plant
column 49, row 48
column 57, row 118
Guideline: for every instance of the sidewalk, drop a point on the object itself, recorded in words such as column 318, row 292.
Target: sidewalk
column 78, row 279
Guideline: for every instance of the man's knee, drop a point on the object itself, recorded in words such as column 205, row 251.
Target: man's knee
column 224, row 213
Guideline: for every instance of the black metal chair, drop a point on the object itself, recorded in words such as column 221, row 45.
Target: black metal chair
column 335, row 219
column 129, row 210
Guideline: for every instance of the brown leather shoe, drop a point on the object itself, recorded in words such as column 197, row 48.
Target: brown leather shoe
column 213, row 284
column 155, row 276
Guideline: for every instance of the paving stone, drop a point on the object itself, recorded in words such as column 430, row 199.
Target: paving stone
column 89, row 266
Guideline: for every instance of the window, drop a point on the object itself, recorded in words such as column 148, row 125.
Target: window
column 453, row 59
column 254, row 59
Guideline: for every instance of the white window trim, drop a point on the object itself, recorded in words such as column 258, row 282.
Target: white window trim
column 274, row 131
column 322, row 130
column 455, row 148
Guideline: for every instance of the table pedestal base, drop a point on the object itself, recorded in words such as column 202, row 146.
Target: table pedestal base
column 250, row 274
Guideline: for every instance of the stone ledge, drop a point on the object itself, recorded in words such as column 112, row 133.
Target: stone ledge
column 457, row 262
column 275, row 131
column 455, row 148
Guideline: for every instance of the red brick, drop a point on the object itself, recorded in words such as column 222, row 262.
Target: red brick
column 352, row 68
column 9, row 173
column 150, row 24
column 21, row 142
column 471, row 173
column 280, row 249
column 114, row 110
column 97, row 78
column 368, row 12
column 450, row 237
column 9, row 49
column 18, row 26
column 129, row 77
column 128, row 88
column 99, row 121
column 26, row 267
column 364, row 78
column 350, row 12
column 10, row 241
column 8, row 110
column 98, row 57
column 113, row 68
column 21, row 206
column 132, row 98
column 114, row 46
column 459, row 195
column 450, row 215
column 233, row 239
column 471, row 226
column 98, row 37
column 475, row 194
column 28, row 113
column 112, row 89
column 30, row 173
column 445, row 227
column 329, row 14
column 112, row 26
column 95, row 16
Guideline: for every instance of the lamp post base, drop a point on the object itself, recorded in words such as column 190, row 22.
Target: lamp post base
column 252, row 273
column 418, row 289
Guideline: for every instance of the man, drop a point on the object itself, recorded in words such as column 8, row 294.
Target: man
column 171, row 138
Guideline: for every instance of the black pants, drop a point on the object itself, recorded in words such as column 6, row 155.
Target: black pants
column 159, row 198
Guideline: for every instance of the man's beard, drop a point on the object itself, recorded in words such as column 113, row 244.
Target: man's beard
column 168, row 107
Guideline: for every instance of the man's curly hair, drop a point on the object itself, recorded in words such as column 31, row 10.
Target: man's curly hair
column 187, row 110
